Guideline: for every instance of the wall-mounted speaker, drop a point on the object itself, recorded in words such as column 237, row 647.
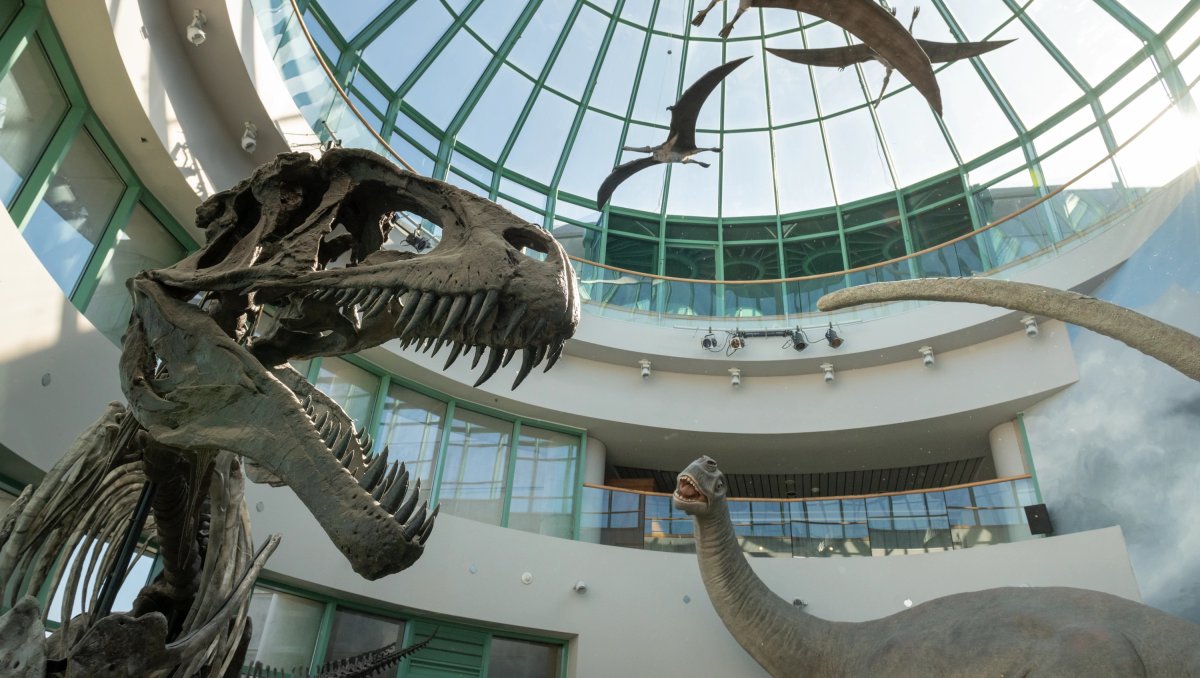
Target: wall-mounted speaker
column 1039, row 519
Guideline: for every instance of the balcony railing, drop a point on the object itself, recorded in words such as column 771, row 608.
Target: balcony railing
column 945, row 519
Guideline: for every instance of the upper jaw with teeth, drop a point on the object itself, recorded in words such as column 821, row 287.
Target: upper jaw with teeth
column 687, row 485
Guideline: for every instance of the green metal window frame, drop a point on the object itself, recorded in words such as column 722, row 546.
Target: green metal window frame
column 386, row 379
column 32, row 27
column 332, row 603
column 449, row 147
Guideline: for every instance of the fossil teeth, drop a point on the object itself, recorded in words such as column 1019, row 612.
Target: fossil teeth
column 476, row 302
column 418, row 315
column 323, row 417
column 490, row 303
column 428, row 529
column 341, row 444
column 478, row 354
column 328, row 427
column 454, row 316
column 410, row 502
column 409, row 302
column 527, row 363
column 539, row 354
column 306, row 403
column 534, row 332
column 439, row 311
column 454, row 351
column 382, row 488
column 492, row 365
column 374, row 302
column 508, row 356
column 325, row 294
column 355, row 316
column 361, row 295
column 395, row 492
column 344, row 295
column 413, row 527
column 437, row 346
column 513, row 321
column 334, row 430
column 374, row 471
column 554, row 354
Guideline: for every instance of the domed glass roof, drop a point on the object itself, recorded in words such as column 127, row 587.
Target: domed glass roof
column 529, row 103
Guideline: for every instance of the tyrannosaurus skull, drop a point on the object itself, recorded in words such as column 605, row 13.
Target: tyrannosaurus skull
column 303, row 238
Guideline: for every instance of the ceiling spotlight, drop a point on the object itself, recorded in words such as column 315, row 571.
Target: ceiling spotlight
column 833, row 338
column 737, row 341
column 645, row 368
column 828, row 369
column 580, row 587
column 1031, row 327
column 735, row 379
column 799, row 341
column 927, row 352
column 709, row 342
column 195, row 30
column 250, row 138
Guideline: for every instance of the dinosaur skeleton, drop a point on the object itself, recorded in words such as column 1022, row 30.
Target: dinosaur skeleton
column 210, row 393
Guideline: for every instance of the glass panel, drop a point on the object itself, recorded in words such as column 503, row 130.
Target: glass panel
column 70, row 219
column 141, row 244
column 32, row 103
column 285, row 629
column 523, row 658
column 543, row 482
column 875, row 244
column 411, row 428
column 476, row 462
column 7, row 14
column 354, row 633
column 351, row 387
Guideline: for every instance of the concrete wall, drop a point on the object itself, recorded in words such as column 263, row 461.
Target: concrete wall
column 1121, row 446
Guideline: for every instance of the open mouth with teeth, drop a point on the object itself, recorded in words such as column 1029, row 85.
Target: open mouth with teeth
column 688, row 492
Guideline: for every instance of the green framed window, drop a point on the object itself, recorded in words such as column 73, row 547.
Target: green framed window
column 475, row 461
column 295, row 628
column 74, row 197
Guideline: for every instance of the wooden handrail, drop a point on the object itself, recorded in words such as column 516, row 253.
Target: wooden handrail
column 839, row 497
column 341, row 92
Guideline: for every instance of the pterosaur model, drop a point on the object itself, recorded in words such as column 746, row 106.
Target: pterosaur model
column 867, row 21
column 841, row 57
column 680, row 145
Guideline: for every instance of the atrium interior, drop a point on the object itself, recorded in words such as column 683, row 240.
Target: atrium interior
column 877, row 457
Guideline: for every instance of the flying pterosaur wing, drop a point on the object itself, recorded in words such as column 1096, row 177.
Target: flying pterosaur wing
column 619, row 174
column 941, row 52
column 834, row 57
column 875, row 26
column 687, row 109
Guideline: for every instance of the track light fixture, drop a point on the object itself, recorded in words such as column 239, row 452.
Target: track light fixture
column 195, row 30
column 737, row 341
column 645, row 368
column 832, row 338
column 799, row 341
column 927, row 353
column 709, row 342
column 828, row 369
column 418, row 242
column 735, row 378
column 1031, row 326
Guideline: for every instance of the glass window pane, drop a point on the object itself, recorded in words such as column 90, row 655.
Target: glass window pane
column 411, row 428
column 476, row 462
column 354, row 633
column 141, row 244
column 70, row 219
column 351, row 387
column 284, row 629
column 32, row 103
column 511, row 657
column 543, row 491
